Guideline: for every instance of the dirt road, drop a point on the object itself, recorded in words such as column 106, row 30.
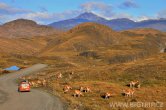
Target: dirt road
column 10, row 99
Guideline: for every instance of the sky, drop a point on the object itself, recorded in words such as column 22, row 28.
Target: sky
column 48, row 11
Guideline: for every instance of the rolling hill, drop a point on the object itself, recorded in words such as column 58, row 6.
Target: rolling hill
column 25, row 28
column 100, row 41
column 86, row 36
column 25, row 37
column 106, row 60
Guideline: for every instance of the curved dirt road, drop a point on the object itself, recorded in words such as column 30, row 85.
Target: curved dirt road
column 10, row 99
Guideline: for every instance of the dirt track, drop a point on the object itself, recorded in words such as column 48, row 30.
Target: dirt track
column 10, row 99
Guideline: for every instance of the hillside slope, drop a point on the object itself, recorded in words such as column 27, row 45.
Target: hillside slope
column 106, row 61
column 84, row 37
column 21, row 45
column 92, row 38
column 25, row 28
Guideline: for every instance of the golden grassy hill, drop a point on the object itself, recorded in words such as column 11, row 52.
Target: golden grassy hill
column 86, row 36
column 21, row 45
column 25, row 28
column 23, row 38
column 106, row 61
column 13, row 49
column 99, row 41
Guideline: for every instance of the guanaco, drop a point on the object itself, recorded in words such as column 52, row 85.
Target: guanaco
column 77, row 93
column 134, row 84
column 59, row 75
column 129, row 92
column 81, row 89
column 67, row 88
column 87, row 89
column 107, row 95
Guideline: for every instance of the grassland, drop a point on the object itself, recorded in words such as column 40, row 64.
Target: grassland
column 103, row 60
column 102, row 77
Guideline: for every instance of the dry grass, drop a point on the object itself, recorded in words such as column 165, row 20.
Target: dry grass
column 103, row 60
column 102, row 77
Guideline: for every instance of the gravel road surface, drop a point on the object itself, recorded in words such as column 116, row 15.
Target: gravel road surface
column 11, row 99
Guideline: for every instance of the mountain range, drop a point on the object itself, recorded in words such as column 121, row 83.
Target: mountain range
column 116, row 24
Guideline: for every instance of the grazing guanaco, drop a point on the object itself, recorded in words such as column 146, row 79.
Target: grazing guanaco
column 44, row 82
column 37, row 82
column 77, row 93
column 33, row 83
column 87, row 89
column 70, row 74
column 134, row 84
column 67, row 88
column 81, row 89
column 138, row 85
column 59, row 75
column 129, row 92
column 107, row 95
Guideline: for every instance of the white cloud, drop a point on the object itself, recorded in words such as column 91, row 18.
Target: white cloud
column 8, row 13
column 43, row 16
column 161, row 14
column 129, row 4
column 101, row 8
column 9, row 10
column 46, row 17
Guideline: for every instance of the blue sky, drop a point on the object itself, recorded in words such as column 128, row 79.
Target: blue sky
column 48, row 11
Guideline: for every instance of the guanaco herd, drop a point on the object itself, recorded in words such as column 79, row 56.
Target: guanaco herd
column 79, row 92
column 35, row 82
column 128, row 92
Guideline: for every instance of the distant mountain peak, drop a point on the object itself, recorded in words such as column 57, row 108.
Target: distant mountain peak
column 89, row 16
column 86, row 14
